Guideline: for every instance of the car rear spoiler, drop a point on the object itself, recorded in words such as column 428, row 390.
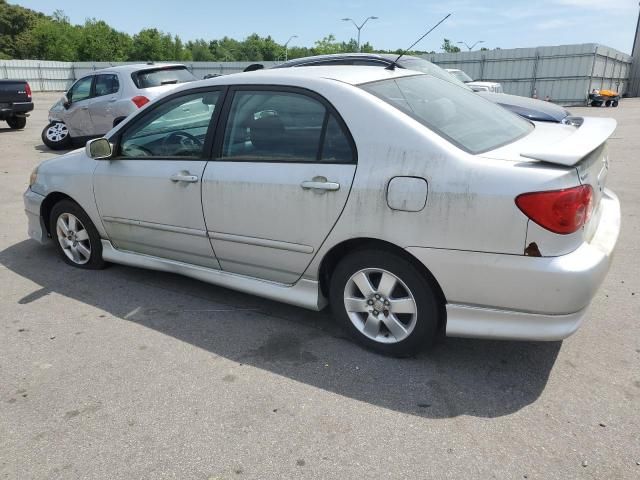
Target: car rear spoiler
column 587, row 137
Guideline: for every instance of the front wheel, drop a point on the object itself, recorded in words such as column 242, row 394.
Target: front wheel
column 76, row 237
column 385, row 302
column 56, row 136
column 17, row 123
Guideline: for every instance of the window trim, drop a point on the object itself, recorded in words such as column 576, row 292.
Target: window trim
column 329, row 110
column 211, row 129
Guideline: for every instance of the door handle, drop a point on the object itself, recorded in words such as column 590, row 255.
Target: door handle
column 183, row 177
column 320, row 185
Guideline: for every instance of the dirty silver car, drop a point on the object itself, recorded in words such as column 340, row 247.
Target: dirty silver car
column 411, row 205
column 99, row 100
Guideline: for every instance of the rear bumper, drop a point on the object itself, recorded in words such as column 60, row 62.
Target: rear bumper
column 518, row 297
column 18, row 108
column 36, row 228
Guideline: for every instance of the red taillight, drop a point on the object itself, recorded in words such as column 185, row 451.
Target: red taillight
column 560, row 211
column 140, row 101
column 27, row 89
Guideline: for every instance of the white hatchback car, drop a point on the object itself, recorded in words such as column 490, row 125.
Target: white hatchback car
column 98, row 101
column 409, row 203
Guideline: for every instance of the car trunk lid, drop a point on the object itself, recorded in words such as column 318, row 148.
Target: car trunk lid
column 12, row 91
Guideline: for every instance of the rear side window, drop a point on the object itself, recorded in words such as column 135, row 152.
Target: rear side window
column 275, row 126
column 462, row 117
column 106, row 85
column 156, row 77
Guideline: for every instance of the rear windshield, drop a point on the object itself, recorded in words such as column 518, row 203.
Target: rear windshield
column 457, row 114
column 424, row 66
column 156, row 77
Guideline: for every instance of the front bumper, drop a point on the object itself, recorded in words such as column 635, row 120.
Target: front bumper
column 36, row 227
column 518, row 297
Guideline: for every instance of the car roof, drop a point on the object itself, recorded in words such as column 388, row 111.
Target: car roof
column 136, row 67
column 388, row 57
column 353, row 75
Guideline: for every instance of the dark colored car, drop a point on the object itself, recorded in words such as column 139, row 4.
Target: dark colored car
column 15, row 102
column 530, row 108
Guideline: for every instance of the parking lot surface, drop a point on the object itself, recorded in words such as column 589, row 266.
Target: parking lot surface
column 131, row 374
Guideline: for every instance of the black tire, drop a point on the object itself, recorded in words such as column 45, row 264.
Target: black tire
column 426, row 319
column 607, row 103
column 596, row 104
column 17, row 123
column 68, row 207
column 62, row 143
column 614, row 103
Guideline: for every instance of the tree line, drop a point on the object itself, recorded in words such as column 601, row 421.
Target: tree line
column 27, row 34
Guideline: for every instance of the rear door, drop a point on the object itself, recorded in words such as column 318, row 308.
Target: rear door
column 149, row 195
column 281, row 177
column 102, row 107
column 76, row 116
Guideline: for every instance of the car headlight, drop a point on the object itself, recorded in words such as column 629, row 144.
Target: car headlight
column 33, row 177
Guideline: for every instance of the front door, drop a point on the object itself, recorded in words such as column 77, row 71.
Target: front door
column 149, row 194
column 76, row 115
column 281, row 178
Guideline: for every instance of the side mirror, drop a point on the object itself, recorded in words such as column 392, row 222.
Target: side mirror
column 66, row 103
column 99, row 149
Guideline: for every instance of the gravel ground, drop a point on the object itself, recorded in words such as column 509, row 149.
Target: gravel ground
column 126, row 373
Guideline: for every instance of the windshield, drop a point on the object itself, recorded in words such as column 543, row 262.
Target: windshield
column 424, row 66
column 161, row 76
column 459, row 115
column 460, row 75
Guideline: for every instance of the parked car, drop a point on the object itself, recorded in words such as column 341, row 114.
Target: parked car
column 530, row 108
column 408, row 203
column 15, row 102
column 96, row 102
column 476, row 86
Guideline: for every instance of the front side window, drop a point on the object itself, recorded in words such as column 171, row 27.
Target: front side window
column 283, row 127
column 106, row 84
column 464, row 118
column 175, row 129
column 81, row 90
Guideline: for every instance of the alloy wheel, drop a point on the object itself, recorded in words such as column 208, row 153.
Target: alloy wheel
column 73, row 238
column 380, row 305
column 57, row 132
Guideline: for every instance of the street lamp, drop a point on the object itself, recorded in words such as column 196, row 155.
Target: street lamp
column 286, row 45
column 359, row 27
column 471, row 47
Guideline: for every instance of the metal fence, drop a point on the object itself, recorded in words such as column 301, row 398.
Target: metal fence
column 564, row 73
column 48, row 76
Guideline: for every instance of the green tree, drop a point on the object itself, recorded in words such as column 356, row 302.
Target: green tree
column 327, row 45
column 101, row 43
column 14, row 20
column 49, row 39
column 448, row 47
column 199, row 50
column 150, row 44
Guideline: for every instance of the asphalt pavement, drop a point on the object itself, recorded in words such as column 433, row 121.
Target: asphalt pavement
column 131, row 374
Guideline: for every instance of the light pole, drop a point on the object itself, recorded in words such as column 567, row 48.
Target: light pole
column 471, row 47
column 286, row 47
column 359, row 27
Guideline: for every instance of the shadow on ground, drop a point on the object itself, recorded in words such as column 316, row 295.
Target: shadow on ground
column 458, row 377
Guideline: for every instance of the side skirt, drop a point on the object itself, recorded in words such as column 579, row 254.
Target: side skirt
column 305, row 293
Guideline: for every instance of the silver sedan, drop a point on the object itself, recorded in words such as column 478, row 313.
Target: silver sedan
column 411, row 205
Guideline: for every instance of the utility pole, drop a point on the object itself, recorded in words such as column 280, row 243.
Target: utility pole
column 359, row 27
column 471, row 47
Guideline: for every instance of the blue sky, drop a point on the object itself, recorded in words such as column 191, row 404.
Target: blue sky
column 505, row 24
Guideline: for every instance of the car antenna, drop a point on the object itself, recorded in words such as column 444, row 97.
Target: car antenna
column 395, row 62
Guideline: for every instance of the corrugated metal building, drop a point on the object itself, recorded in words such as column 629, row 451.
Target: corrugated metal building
column 565, row 73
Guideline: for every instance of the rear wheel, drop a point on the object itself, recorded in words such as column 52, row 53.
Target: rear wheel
column 607, row 103
column 76, row 237
column 56, row 136
column 614, row 103
column 17, row 123
column 385, row 302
